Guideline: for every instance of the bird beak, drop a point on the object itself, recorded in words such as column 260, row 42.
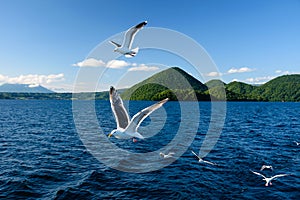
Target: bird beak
column 110, row 135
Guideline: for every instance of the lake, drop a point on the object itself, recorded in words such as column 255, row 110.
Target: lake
column 44, row 155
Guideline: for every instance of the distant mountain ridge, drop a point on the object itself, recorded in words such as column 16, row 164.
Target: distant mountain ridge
column 175, row 84
column 23, row 88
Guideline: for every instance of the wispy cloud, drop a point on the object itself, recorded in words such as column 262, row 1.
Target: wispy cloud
column 260, row 80
column 32, row 79
column 240, row 70
column 143, row 67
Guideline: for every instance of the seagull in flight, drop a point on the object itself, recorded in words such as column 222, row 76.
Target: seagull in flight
column 297, row 143
column 125, row 48
column 126, row 128
column 204, row 161
column 169, row 155
column 266, row 167
column 268, row 180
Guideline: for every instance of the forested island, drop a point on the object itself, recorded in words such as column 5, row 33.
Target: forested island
column 176, row 84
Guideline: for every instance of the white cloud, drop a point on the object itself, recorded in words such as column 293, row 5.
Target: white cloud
column 260, row 80
column 239, row 70
column 143, row 67
column 32, row 79
column 90, row 62
column 214, row 74
column 117, row 64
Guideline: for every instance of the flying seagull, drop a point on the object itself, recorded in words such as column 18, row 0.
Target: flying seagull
column 266, row 167
column 125, row 48
column 169, row 155
column 127, row 128
column 268, row 180
column 297, row 143
column 204, row 161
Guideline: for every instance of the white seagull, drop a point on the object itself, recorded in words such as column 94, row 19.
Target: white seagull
column 125, row 48
column 127, row 128
column 204, row 161
column 297, row 143
column 169, row 155
column 268, row 180
column 266, row 167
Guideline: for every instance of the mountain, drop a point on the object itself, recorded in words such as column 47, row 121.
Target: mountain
column 173, row 83
column 215, row 83
column 283, row 88
column 24, row 88
column 176, row 84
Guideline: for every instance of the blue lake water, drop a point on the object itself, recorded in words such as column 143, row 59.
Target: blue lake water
column 43, row 156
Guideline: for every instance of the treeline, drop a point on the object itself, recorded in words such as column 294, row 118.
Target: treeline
column 56, row 96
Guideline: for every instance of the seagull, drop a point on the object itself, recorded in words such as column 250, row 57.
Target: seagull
column 127, row 128
column 297, row 143
column 266, row 167
column 169, row 155
column 268, row 180
column 204, row 161
column 125, row 48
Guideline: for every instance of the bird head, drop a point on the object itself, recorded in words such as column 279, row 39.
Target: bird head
column 111, row 133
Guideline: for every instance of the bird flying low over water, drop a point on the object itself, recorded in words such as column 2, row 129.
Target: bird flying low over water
column 297, row 143
column 169, row 155
column 266, row 167
column 268, row 180
column 125, row 48
column 204, row 161
column 127, row 128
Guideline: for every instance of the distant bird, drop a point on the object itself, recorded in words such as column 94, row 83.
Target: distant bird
column 268, row 180
column 297, row 143
column 204, row 161
column 127, row 128
column 266, row 167
column 125, row 48
column 169, row 155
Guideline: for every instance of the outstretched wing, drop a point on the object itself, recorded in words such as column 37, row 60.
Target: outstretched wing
column 196, row 155
column 130, row 33
column 140, row 116
column 259, row 174
column 211, row 163
column 262, row 167
column 279, row 175
column 114, row 43
column 118, row 109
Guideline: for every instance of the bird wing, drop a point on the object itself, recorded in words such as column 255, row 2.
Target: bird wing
column 196, row 155
column 262, row 167
column 130, row 34
column 118, row 109
column 258, row 174
column 279, row 175
column 140, row 116
column 114, row 43
column 211, row 163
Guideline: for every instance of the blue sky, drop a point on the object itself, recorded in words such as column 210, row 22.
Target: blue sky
column 41, row 42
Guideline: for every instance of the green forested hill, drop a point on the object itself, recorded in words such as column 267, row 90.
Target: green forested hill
column 283, row 88
column 173, row 83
